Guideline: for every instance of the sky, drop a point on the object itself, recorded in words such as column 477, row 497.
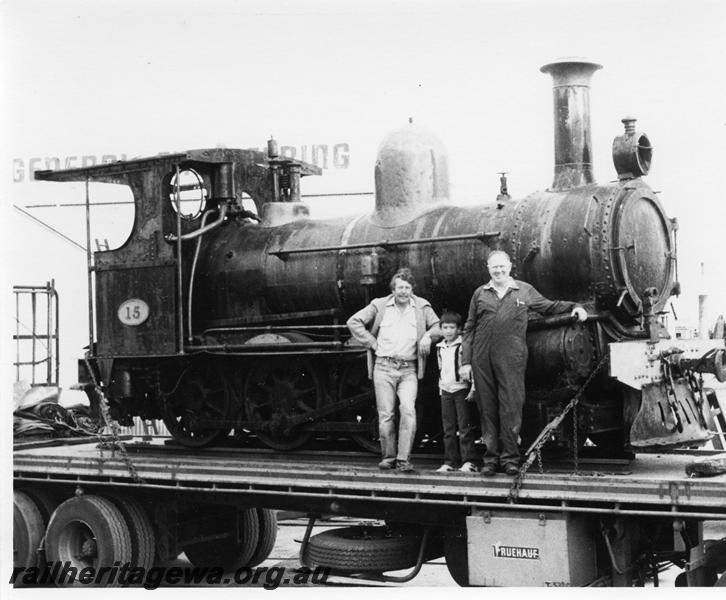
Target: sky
column 125, row 79
column 131, row 78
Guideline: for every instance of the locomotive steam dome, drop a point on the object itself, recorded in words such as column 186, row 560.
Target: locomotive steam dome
column 411, row 174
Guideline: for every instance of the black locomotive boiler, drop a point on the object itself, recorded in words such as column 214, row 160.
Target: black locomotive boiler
column 220, row 318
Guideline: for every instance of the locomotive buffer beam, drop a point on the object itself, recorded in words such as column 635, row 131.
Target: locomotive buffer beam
column 386, row 244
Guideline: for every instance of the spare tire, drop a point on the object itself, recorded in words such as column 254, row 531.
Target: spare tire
column 364, row 548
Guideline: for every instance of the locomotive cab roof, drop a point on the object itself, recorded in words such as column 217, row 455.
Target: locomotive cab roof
column 225, row 172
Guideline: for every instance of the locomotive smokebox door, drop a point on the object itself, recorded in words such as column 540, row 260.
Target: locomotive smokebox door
column 532, row 549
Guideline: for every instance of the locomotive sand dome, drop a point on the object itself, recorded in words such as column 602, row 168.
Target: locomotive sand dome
column 245, row 313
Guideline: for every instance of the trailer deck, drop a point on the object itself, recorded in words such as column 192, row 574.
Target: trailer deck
column 346, row 482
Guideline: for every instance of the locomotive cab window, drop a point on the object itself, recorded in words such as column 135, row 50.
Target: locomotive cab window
column 192, row 194
column 248, row 203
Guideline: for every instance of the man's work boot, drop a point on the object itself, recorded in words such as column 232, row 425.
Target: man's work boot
column 387, row 464
column 511, row 469
column 488, row 470
column 405, row 467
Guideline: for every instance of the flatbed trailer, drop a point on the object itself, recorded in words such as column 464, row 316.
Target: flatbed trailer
column 612, row 522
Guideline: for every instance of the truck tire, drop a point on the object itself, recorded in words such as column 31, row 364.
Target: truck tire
column 45, row 500
column 457, row 561
column 89, row 531
column 268, row 535
column 359, row 549
column 143, row 540
column 227, row 553
column 28, row 528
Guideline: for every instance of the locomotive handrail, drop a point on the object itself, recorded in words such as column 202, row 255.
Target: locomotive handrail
column 560, row 321
column 481, row 235
column 286, row 346
column 551, row 322
column 263, row 328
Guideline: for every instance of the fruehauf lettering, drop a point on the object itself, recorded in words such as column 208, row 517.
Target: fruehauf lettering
column 516, row 552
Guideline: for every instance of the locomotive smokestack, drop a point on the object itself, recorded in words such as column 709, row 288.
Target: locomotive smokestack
column 573, row 143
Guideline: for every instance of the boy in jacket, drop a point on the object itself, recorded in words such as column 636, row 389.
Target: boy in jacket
column 457, row 396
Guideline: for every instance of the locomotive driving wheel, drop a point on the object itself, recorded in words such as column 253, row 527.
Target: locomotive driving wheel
column 278, row 392
column 353, row 381
column 201, row 395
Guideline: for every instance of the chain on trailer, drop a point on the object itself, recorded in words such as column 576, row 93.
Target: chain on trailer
column 535, row 450
column 116, row 441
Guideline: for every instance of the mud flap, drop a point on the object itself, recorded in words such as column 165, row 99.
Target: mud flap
column 667, row 419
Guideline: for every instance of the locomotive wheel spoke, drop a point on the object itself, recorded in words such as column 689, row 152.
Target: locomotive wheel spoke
column 202, row 394
column 215, row 409
column 259, row 405
column 277, row 391
column 353, row 381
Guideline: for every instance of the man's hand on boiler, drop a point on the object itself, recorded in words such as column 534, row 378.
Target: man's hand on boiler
column 580, row 313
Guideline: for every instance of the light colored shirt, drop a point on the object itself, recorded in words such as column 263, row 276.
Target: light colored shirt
column 511, row 285
column 449, row 357
column 397, row 335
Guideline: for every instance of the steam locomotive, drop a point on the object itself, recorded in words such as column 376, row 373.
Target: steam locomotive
column 225, row 308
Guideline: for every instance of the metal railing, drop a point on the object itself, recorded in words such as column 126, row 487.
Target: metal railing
column 43, row 341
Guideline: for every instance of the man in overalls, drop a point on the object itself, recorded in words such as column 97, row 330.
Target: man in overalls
column 399, row 340
column 495, row 349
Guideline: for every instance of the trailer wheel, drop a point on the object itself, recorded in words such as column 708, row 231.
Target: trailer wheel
column 359, row 549
column 89, row 531
column 457, row 561
column 45, row 501
column 143, row 540
column 268, row 535
column 28, row 528
column 228, row 553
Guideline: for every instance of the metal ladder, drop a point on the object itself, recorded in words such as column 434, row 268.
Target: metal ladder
column 36, row 333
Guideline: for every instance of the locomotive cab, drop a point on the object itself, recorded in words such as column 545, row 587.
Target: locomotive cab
column 141, row 299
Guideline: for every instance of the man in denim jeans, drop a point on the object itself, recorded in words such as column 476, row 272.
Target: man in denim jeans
column 401, row 330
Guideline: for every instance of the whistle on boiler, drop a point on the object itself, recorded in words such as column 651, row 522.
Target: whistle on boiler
column 503, row 195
